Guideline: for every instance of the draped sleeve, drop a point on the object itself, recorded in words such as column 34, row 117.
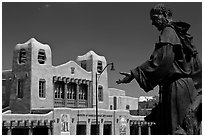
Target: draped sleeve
column 160, row 64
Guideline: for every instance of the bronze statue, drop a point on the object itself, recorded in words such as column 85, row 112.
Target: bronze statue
column 174, row 67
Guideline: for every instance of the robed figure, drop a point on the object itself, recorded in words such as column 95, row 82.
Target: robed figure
column 174, row 67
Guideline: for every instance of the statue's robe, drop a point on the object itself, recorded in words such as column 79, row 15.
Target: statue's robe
column 176, row 68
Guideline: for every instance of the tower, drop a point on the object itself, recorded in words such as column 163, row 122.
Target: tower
column 32, row 69
column 95, row 63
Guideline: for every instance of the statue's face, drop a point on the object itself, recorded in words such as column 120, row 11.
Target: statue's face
column 158, row 21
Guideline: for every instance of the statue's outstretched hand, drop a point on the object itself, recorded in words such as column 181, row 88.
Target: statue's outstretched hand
column 128, row 77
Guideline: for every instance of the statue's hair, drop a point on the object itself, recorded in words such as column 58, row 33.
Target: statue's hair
column 161, row 9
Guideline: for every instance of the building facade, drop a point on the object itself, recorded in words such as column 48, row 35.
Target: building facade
column 39, row 98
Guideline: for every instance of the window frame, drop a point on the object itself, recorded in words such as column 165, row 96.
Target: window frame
column 99, row 66
column 22, row 56
column 42, row 88
column 41, row 56
column 20, row 92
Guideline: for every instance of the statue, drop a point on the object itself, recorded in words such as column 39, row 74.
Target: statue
column 174, row 67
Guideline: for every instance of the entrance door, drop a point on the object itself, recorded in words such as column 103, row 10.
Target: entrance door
column 20, row 131
column 4, row 131
column 134, row 130
column 93, row 129
column 81, row 129
column 107, row 129
column 40, row 130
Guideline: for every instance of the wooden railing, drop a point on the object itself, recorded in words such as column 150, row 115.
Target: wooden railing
column 59, row 102
column 142, row 128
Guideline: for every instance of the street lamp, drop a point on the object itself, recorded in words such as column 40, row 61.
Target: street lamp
column 97, row 78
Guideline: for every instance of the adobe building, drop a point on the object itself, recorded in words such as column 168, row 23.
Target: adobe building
column 39, row 98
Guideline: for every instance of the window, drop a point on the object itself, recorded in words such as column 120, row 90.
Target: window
column 72, row 70
column 100, row 93
column 22, row 56
column 127, row 107
column 19, row 88
column 59, row 89
column 41, row 56
column 83, row 64
column 99, row 67
column 71, row 90
column 115, row 103
column 83, row 88
column 42, row 88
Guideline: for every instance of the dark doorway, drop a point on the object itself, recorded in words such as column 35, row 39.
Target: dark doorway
column 144, row 130
column 154, row 130
column 93, row 129
column 107, row 130
column 40, row 130
column 4, row 131
column 134, row 130
column 20, row 131
column 81, row 129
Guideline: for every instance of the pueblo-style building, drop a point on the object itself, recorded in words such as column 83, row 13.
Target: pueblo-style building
column 39, row 98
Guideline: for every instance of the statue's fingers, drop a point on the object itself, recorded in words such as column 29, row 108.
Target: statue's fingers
column 118, row 81
column 124, row 73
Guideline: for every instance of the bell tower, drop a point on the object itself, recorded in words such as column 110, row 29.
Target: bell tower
column 32, row 64
column 95, row 63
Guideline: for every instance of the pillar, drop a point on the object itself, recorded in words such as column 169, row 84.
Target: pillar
column 65, row 94
column 149, row 128
column 49, row 131
column 90, row 95
column 101, row 126
column 88, row 128
column 30, row 132
column 77, row 95
column 9, row 132
column 139, row 128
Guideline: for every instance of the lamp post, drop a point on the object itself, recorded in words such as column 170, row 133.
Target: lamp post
column 97, row 78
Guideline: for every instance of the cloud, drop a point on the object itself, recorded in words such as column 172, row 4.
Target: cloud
column 145, row 98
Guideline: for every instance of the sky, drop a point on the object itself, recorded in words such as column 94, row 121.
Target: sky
column 122, row 32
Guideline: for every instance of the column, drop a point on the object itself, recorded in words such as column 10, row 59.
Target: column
column 30, row 132
column 101, row 126
column 65, row 94
column 139, row 128
column 77, row 95
column 9, row 132
column 90, row 95
column 49, row 131
column 50, row 128
column 88, row 127
column 149, row 128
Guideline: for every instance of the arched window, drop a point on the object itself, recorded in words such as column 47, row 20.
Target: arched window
column 41, row 56
column 22, row 56
column 111, row 107
column 99, row 67
column 127, row 107
column 100, row 93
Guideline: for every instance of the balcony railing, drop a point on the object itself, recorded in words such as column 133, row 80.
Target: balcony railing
column 59, row 102
column 83, row 103
column 142, row 128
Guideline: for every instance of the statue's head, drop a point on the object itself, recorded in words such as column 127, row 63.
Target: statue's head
column 160, row 15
